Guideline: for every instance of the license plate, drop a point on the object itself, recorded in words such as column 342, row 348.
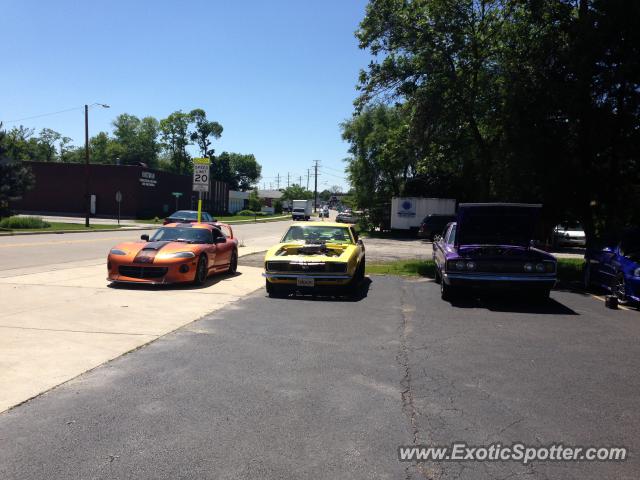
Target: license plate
column 306, row 282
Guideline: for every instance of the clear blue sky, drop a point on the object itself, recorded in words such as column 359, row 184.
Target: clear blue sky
column 278, row 75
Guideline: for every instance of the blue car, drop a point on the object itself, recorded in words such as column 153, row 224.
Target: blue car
column 616, row 267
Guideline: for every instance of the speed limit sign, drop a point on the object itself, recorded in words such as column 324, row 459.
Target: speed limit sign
column 201, row 174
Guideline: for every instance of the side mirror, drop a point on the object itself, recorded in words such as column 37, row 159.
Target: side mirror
column 144, row 237
column 220, row 240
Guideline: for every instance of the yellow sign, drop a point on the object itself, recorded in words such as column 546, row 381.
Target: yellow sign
column 202, row 161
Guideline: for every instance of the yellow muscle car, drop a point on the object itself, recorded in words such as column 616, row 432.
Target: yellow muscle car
column 316, row 254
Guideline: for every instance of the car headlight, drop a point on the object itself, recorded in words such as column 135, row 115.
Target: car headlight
column 636, row 272
column 471, row 265
column 528, row 267
column 459, row 265
column 178, row 255
column 117, row 251
column 539, row 267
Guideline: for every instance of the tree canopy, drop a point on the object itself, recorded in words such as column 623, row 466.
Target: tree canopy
column 501, row 100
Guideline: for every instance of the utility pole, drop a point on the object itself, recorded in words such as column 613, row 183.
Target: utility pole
column 315, row 188
column 87, row 199
column 287, row 179
column 300, row 181
column 278, row 187
column 307, row 179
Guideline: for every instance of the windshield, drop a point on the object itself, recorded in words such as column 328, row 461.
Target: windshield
column 570, row 226
column 186, row 214
column 317, row 234
column 188, row 235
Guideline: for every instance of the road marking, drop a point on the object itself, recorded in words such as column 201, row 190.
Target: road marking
column 40, row 244
column 602, row 299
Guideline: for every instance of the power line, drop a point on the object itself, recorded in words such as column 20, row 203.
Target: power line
column 45, row 114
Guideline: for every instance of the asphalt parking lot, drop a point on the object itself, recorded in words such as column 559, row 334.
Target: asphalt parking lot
column 329, row 388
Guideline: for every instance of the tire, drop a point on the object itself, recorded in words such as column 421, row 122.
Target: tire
column 273, row 290
column 362, row 269
column 447, row 292
column 619, row 289
column 233, row 263
column 586, row 277
column 438, row 275
column 202, row 272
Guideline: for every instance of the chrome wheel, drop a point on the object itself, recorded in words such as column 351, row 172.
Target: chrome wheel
column 620, row 290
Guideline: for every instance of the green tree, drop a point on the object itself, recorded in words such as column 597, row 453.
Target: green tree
column 174, row 131
column 296, row 192
column 255, row 203
column 16, row 178
column 246, row 170
column 47, row 140
column 203, row 131
column 136, row 139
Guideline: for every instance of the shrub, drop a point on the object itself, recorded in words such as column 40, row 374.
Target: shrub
column 23, row 222
column 246, row 213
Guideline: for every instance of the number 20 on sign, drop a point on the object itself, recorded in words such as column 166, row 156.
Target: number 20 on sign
column 201, row 179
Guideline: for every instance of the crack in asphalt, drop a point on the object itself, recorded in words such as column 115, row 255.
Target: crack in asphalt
column 408, row 406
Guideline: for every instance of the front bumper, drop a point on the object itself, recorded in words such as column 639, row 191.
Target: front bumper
column 486, row 280
column 291, row 279
column 173, row 272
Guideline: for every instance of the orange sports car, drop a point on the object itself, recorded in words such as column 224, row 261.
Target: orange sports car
column 175, row 253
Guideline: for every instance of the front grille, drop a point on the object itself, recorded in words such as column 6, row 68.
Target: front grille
column 303, row 268
column 142, row 272
column 485, row 266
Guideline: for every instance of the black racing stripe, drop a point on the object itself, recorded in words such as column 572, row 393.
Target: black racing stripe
column 149, row 252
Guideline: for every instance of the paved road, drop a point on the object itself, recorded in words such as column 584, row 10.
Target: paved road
column 24, row 251
column 319, row 388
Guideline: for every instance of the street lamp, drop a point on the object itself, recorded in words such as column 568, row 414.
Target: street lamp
column 86, row 160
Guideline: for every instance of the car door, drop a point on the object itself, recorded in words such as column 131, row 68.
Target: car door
column 223, row 249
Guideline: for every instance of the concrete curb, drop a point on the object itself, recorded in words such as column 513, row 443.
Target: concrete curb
column 55, row 232
column 134, row 229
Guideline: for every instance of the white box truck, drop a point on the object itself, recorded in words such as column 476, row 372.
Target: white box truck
column 408, row 212
column 301, row 209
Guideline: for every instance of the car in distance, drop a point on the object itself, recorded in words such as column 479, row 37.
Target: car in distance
column 317, row 254
column 175, row 253
column 569, row 234
column 490, row 246
column 187, row 216
column 434, row 224
column 615, row 266
column 347, row 217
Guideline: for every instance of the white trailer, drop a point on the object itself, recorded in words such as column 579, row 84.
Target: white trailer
column 301, row 209
column 408, row 212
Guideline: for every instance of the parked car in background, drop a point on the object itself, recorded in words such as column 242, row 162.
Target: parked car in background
column 187, row 216
column 317, row 254
column 175, row 253
column 347, row 217
column 615, row 266
column 569, row 234
column 490, row 246
column 434, row 224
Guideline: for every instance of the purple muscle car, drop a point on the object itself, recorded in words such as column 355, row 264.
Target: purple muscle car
column 490, row 246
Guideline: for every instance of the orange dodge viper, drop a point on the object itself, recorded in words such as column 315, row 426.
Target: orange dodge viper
column 177, row 252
